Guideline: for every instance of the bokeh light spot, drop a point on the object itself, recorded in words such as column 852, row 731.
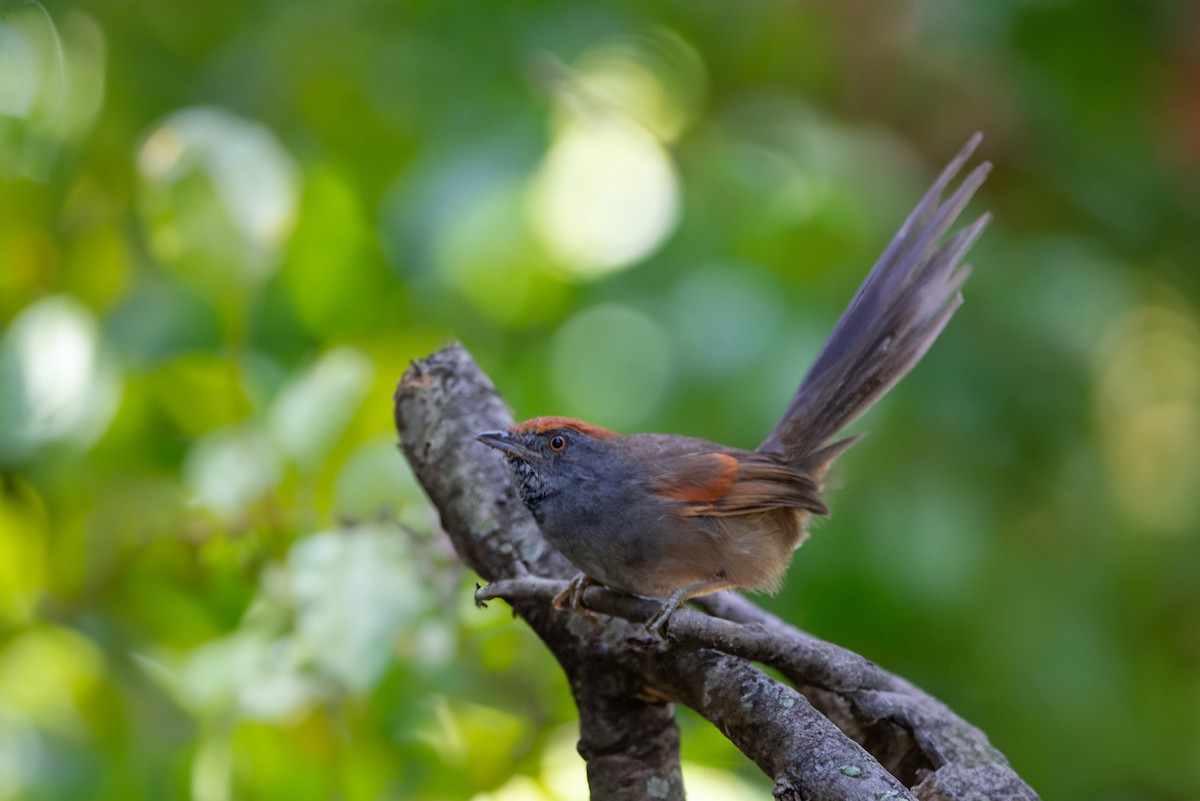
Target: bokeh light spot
column 605, row 196
column 58, row 385
column 219, row 195
column 20, row 73
column 51, row 85
column 656, row 80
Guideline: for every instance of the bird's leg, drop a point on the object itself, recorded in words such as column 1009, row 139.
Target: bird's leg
column 572, row 597
column 657, row 624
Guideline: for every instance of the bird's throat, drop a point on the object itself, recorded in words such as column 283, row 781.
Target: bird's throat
column 530, row 486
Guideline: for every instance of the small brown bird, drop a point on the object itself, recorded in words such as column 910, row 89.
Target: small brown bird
column 674, row 517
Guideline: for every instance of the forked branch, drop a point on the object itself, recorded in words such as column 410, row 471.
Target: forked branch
column 846, row 729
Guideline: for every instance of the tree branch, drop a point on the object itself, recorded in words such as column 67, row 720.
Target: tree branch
column 847, row 729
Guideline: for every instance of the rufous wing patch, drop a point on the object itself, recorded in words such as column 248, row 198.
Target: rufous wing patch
column 697, row 478
column 540, row 425
column 754, row 485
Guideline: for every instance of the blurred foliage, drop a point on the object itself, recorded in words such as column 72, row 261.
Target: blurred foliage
column 225, row 228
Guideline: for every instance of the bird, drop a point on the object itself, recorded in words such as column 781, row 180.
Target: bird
column 673, row 517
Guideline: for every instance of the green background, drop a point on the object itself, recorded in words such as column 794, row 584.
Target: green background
column 227, row 226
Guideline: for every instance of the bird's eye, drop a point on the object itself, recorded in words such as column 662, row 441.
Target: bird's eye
column 558, row 442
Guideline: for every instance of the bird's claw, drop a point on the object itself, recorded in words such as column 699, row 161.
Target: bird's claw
column 572, row 597
column 656, row 626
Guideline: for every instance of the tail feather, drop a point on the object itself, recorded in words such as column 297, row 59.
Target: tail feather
column 904, row 303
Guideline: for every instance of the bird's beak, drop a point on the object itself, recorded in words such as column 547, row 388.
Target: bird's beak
column 507, row 444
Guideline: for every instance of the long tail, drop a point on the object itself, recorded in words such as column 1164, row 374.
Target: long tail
column 897, row 313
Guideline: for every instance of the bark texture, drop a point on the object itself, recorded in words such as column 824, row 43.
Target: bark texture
column 845, row 729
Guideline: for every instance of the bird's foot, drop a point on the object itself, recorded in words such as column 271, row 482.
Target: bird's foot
column 656, row 626
column 572, row 597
